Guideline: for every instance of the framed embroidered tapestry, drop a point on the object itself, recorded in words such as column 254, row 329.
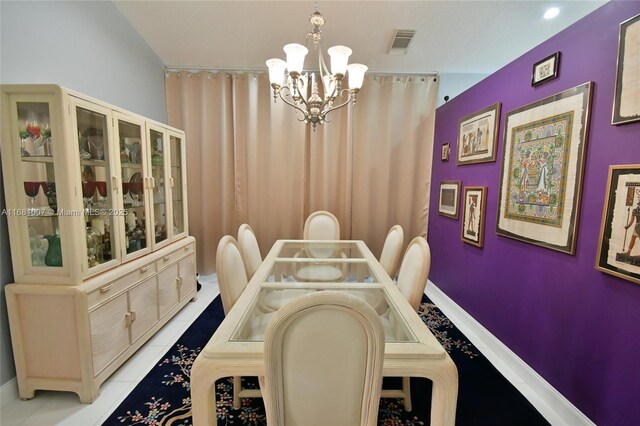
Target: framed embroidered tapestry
column 449, row 198
column 626, row 101
column 542, row 169
column 619, row 249
column 478, row 136
column 473, row 214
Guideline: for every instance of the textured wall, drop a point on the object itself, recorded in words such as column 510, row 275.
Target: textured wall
column 85, row 46
column 576, row 326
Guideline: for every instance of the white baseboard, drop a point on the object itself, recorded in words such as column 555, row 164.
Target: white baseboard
column 544, row 397
column 8, row 392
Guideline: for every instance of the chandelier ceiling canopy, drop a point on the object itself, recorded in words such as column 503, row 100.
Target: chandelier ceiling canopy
column 302, row 91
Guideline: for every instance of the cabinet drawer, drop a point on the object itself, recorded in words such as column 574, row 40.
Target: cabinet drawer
column 170, row 258
column 109, row 290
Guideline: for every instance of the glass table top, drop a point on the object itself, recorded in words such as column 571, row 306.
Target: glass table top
column 269, row 300
column 320, row 249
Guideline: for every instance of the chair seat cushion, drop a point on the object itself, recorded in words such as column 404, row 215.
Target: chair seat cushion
column 320, row 273
column 277, row 299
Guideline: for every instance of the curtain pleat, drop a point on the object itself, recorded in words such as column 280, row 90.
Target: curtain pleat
column 249, row 160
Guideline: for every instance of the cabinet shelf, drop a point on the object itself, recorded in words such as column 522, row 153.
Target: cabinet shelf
column 98, row 163
column 38, row 159
column 134, row 166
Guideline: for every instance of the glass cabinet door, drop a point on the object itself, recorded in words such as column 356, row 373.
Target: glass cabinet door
column 135, row 193
column 39, row 143
column 178, row 203
column 156, row 147
column 99, row 201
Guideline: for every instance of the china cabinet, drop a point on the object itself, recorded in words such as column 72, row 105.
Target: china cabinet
column 97, row 216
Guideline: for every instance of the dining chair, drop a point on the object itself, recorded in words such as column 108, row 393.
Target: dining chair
column 249, row 248
column 412, row 280
column 232, row 280
column 321, row 225
column 392, row 250
column 323, row 362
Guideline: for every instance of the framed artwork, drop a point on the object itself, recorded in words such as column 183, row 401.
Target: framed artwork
column 478, row 136
column 545, row 69
column 446, row 149
column 473, row 214
column 619, row 247
column 626, row 100
column 448, row 204
column 542, row 169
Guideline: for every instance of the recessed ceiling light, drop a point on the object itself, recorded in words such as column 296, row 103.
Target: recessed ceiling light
column 551, row 13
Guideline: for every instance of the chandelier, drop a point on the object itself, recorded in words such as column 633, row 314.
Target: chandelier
column 301, row 91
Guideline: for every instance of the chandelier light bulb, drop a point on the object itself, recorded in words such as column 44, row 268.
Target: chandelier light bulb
column 339, row 58
column 295, row 57
column 356, row 75
column 276, row 71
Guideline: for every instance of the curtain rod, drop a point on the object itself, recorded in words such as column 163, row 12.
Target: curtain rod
column 201, row 69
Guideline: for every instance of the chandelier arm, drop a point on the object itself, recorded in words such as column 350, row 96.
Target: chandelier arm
column 302, row 98
column 304, row 113
column 351, row 96
column 330, row 98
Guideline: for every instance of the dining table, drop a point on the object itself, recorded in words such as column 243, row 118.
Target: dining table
column 294, row 268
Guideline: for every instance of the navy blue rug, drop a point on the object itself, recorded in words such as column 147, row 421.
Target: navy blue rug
column 485, row 397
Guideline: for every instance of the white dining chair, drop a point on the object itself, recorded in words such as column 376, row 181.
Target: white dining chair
column 392, row 250
column 323, row 362
column 412, row 280
column 232, row 280
column 321, row 225
column 249, row 248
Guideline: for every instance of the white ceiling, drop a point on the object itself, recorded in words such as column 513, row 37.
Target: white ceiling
column 452, row 36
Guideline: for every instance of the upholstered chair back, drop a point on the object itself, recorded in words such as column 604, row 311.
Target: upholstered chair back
column 249, row 248
column 321, row 225
column 323, row 362
column 392, row 250
column 414, row 271
column 232, row 276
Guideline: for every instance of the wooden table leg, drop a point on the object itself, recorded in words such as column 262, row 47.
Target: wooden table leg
column 444, row 397
column 204, row 373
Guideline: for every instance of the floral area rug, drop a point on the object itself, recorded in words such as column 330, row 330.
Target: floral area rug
column 485, row 397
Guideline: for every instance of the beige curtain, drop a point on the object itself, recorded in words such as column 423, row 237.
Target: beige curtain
column 249, row 160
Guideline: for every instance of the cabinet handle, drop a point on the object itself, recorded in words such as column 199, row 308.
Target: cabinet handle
column 186, row 248
column 166, row 258
column 129, row 318
column 179, row 282
column 171, row 182
column 105, row 288
column 144, row 268
column 153, row 182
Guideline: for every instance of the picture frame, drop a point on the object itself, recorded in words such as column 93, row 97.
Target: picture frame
column 626, row 100
column 446, row 149
column 449, row 199
column 473, row 215
column 619, row 243
column 542, row 169
column 478, row 136
column 545, row 69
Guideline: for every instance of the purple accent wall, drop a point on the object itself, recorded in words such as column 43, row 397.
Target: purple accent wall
column 576, row 326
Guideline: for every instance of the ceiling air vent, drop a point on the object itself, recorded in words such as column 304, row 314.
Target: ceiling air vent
column 401, row 41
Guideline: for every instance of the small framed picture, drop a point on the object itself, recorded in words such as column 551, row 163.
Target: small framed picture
column 449, row 198
column 446, row 149
column 619, row 244
column 478, row 136
column 546, row 69
column 473, row 215
column 626, row 100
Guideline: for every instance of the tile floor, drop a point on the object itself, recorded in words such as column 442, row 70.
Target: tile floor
column 63, row 408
